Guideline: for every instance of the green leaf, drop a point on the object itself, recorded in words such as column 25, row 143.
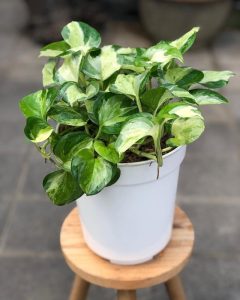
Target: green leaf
column 54, row 49
column 72, row 93
column 154, row 98
column 185, row 131
column 205, row 97
column 108, row 152
column 134, row 130
column 70, row 144
column 92, row 174
column 66, row 115
column 81, row 36
column 183, row 76
column 113, row 112
column 186, row 41
column 61, row 187
column 38, row 103
column 216, row 79
column 129, row 85
column 178, row 92
column 69, row 70
column 127, row 59
column 102, row 66
column 48, row 72
column 37, row 130
column 162, row 52
column 178, row 110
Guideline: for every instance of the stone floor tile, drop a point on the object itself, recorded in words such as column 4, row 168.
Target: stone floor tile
column 218, row 140
column 33, row 278
column 214, row 177
column 37, row 170
column 216, row 113
column 210, row 278
column 35, row 227
column 5, row 204
column 10, row 171
column 12, row 138
column 216, row 226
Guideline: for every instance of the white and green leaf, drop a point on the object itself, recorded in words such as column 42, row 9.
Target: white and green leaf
column 54, row 49
column 134, row 130
column 63, row 114
column 183, row 76
column 81, row 36
column 38, row 103
column 216, row 79
column 92, row 173
column 205, row 97
column 185, row 131
column 108, row 152
column 48, row 72
column 61, row 187
column 102, row 66
column 69, row 70
column 37, row 130
column 186, row 41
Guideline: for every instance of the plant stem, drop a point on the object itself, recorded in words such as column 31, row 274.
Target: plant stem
column 143, row 154
column 139, row 105
column 87, row 130
column 99, row 132
column 166, row 149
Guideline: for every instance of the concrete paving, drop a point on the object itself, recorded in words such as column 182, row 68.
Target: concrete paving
column 31, row 265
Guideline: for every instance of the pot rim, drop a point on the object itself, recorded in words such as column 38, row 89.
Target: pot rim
column 149, row 161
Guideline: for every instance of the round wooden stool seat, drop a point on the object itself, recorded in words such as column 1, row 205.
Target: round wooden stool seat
column 94, row 269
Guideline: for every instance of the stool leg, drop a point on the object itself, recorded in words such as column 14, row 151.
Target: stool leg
column 175, row 289
column 80, row 289
column 126, row 295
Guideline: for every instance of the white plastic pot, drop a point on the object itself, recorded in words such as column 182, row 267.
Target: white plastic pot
column 131, row 221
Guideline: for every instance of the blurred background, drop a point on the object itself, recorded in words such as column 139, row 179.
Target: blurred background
column 31, row 265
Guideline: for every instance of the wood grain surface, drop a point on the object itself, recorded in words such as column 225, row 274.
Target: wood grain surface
column 97, row 270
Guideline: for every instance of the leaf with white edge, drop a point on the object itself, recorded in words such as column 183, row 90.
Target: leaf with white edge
column 113, row 112
column 37, row 130
column 108, row 152
column 162, row 52
column 54, row 49
column 216, row 79
column 185, row 131
column 130, row 85
column 81, row 36
column 183, row 76
column 206, row 97
column 63, row 114
column 69, row 70
column 48, row 72
column 127, row 59
column 186, row 41
column 61, row 187
column 178, row 92
column 102, row 66
column 92, row 173
column 179, row 110
column 38, row 103
column 154, row 98
column 134, row 130
column 70, row 144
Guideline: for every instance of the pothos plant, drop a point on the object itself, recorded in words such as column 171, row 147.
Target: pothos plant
column 99, row 105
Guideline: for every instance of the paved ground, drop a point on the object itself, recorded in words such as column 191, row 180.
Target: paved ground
column 31, row 265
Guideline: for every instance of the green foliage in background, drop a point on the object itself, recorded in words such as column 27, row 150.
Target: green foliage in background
column 110, row 101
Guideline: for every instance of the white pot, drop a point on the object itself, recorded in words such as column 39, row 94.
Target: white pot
column 131, row 221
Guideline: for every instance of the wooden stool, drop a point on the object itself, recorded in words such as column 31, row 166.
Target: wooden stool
column 90, row 268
